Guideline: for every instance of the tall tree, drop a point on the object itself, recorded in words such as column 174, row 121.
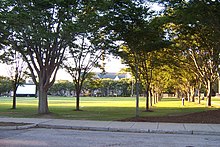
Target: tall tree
column 39, row 30
column 130, row 22
column 90, row 45
column 83, row 58
column 141, row 33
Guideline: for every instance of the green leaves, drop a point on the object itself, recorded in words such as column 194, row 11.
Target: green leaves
column 5, row 85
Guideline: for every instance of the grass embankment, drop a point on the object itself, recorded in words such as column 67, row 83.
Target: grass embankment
column 100, row 108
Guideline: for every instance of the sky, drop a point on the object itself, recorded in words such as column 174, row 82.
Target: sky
column 112, row 65
column 4, row 70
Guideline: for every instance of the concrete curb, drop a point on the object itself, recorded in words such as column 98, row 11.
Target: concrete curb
column 125, row 130
column 205, row 133
column 26, row 126
column 111, row 128
column 18, row 127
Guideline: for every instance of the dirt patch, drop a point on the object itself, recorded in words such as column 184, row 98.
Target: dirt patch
column 8, row 113
column 12, row 124
column 211, row 117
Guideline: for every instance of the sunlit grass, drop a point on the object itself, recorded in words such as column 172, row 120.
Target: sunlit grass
column 101, row 108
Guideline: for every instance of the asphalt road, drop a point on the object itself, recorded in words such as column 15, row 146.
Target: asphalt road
column 72, row 138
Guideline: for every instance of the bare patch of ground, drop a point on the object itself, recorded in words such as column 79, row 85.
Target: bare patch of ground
column 211, row 117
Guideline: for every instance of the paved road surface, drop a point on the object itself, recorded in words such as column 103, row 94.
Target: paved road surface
column 38, row 137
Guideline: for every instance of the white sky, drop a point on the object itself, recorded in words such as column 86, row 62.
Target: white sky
column 4, row 70
column 112, row 65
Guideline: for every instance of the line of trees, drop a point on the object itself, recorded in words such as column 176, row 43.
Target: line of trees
column 5, row 86
column 178, row 47
column 94, row 87
column 181, row 42
column 196, row 41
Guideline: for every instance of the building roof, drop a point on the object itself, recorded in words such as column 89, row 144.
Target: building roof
column 113, row 76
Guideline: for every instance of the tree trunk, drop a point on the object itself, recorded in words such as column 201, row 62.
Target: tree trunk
column 77, row 100
column 199, row 93
column 199, row 96
column 160, row 96
column 14, row 95
column 178, row 94
column 209, row 94
column 154, row 96
column 14, row 100
column 188, row 95
column 147, row 98
column 193, row 94
column 43, row 103
column 151, row 98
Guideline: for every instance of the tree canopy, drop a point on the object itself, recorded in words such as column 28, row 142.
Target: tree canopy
column 197, row 35
column 39, row 30
column 47, row 32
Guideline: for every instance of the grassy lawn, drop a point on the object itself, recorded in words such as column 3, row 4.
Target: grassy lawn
column 100, row 108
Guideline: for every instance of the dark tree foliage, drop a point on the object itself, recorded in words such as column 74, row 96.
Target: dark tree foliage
column 39, row 30
column 5, row 86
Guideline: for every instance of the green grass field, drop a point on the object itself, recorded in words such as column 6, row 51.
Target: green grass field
column 100, row 108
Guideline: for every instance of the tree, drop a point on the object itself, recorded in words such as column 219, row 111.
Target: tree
column 124, row 86
column 87, row 50
column 39, row 30
column 17, row 70
column 198, row 34
column 130, row 21
column 84, row 58
column 200, row 52
column 17, row 74
column 142, row 33
column 62, row 88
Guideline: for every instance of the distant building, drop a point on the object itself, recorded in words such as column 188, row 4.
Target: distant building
column 112, row 76
column 26, row 90
column 115, row 88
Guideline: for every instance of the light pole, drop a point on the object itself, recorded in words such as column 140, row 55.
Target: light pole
column 137, row 90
